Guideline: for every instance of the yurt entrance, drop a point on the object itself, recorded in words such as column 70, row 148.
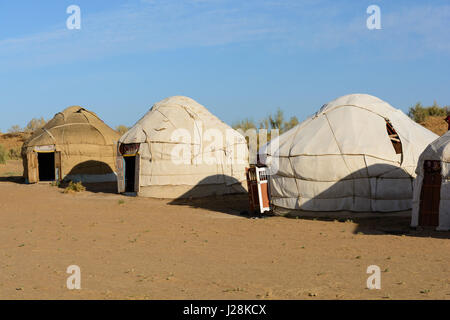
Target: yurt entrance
column 431, row 194
column 46, row 165
column 129, row 168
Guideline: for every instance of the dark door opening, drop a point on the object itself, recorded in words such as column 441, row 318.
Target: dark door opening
column 46, row 163
column 430, row 196
column 130, row 173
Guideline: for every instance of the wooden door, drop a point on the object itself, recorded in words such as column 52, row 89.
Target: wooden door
column 58, row 166
column 120, row 174
column 430, row 197
column 33, row 167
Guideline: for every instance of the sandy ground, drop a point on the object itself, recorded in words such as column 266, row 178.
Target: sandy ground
column 132, row 248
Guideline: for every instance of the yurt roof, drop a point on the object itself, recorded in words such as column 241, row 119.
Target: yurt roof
column 74, row 125
column 438, row 149
column 352, row 124
column 177, row 112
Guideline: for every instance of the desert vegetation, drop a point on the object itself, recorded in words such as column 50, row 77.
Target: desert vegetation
column 3, row 155
column 121, row 129
column 419, row 113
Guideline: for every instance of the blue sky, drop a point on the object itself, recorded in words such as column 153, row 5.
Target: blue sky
column 238, row 58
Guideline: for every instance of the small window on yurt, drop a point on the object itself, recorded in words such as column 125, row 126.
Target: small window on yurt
column 394, row 137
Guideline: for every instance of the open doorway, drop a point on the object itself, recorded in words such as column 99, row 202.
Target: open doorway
column 130, row 173
column 46, row 165
column 430, row 196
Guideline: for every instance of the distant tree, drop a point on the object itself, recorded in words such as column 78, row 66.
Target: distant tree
column 121, row 129
column 244, row 125
column 291, row 123
column 272, row 121
column 34, row 124
column 276, row 121
column 15, row 129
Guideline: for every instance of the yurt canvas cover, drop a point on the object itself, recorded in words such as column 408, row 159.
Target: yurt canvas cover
column 180, row 150
column 357, row 153
column 75, row 145
column 432, row 186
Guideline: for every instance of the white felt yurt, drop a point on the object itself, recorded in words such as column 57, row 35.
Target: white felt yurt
column 357, row 153
column 180, row 150
column 431, row 203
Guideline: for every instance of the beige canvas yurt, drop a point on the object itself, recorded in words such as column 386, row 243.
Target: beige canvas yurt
column 357, row 153
column 180, row 150
column 431, row 204
column 75, row 145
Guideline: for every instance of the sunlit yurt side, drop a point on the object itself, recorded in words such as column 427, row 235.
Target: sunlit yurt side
column 180, row 150
column 357, row 153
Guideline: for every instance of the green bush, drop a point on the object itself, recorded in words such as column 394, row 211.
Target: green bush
column 419, row 113
column 14, row 154
column 3, row 155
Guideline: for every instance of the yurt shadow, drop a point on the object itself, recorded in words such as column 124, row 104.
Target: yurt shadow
column 96, row 176
column 231, row 198
column 377, row 198
column 13, row 179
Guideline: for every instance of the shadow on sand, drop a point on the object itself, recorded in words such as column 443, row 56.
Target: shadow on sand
column 371, row 223
column 230, row 197
column 14, row 179
column 92, row 168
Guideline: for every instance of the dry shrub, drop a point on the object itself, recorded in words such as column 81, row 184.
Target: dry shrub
column 74, row 187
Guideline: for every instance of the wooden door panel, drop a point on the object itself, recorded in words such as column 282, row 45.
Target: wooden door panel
column 33, row 167
column 120, row 174
column 58, row 166
column 431, row 194
column 137, row 173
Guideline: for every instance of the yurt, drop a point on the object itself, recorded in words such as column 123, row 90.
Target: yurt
column 180, row 150
column 75, row 145
column 431, row 203
column 357, row 153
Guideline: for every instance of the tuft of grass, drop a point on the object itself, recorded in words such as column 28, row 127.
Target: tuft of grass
column 55, row 184
column 121, row 201
column 74, row 187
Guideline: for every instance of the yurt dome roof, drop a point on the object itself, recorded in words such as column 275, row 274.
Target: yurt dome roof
column 177, row 112
column 74, row 125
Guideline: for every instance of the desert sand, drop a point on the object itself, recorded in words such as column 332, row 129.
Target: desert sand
column 136, row 248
